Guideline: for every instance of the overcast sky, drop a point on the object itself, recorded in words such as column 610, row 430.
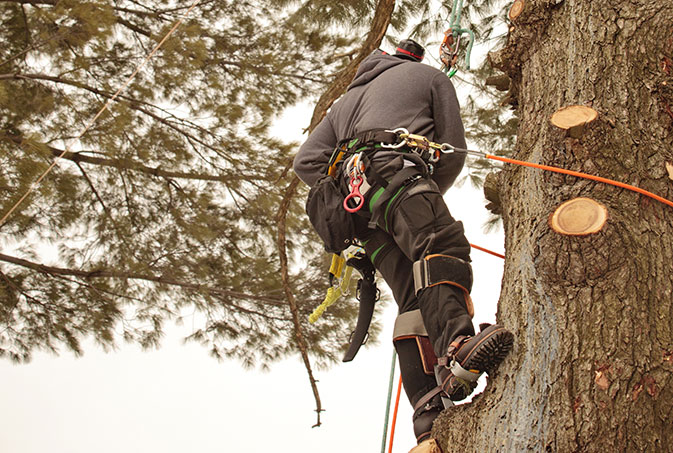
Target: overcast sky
column 178, row 399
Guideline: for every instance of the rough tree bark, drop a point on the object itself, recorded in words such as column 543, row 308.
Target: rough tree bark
column 592, row 367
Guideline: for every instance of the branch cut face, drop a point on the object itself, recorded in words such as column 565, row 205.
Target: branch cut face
column 579, row 217
column 516, row 9
column 574, row 118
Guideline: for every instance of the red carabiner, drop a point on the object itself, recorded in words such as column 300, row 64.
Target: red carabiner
column 355, row 183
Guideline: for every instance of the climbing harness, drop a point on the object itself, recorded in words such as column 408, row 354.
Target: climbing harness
column 419, row 162
column 450, row 47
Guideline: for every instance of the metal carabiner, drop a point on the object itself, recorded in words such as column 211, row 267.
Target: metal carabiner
column 355, row 183
column 400, row 131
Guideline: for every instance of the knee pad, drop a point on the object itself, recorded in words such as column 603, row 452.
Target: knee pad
column 444, row 270
column 409, row 325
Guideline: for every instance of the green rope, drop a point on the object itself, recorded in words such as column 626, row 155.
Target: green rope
column 454, row 25
column 390, row 395
column 456, row 12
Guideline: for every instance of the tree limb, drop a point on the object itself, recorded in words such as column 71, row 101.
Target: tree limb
column 128, row 164
column 384, row 10
column 108, row 273
column 133, row 104
column 133, row 27
column 92, row 187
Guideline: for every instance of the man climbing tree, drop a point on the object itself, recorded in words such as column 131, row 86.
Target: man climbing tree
column 392, row 187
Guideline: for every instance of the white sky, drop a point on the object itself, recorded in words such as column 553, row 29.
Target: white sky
column 178, row 399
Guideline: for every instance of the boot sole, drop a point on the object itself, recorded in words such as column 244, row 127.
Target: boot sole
column 490, row 351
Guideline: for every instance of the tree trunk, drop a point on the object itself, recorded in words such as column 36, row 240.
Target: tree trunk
column 592, row 367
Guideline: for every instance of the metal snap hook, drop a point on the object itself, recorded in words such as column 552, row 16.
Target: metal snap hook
column 400, row 132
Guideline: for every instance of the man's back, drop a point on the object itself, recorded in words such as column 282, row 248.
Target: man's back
column 389, row 92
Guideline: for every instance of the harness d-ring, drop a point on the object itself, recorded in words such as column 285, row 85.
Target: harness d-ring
column 355, row 183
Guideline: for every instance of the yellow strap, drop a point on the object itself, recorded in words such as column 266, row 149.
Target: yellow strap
column 337, row 266
column 333, row 292
column 332, row 168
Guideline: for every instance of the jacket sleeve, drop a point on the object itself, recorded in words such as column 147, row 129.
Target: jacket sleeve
column 448, row 129
column 311, row 161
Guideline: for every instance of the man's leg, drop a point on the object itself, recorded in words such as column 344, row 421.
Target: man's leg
column 421, row 226
column 425, row 231
column 415, row 355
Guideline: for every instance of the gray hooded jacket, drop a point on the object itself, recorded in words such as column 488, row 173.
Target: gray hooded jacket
column 389, row 92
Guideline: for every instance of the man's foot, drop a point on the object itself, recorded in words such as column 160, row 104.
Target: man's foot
column 468, row 357
column 427, row 446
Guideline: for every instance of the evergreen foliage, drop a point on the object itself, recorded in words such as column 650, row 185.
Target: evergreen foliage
column 166, row 207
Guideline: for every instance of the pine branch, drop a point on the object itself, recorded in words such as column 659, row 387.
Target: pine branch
column 133, row 27
column 133, row 104
column 108, row 273
column 92, row 187
column 127, row 164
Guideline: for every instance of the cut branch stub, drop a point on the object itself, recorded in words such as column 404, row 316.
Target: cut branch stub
column 579, row 217
column 516, row 9
column 501, row 82
column 573, row 118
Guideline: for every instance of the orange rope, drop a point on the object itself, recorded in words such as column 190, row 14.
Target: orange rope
column 397, row 405
column 487, row 251
column 582, row 175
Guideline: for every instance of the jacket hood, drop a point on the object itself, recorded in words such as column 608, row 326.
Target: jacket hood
column 374, row 65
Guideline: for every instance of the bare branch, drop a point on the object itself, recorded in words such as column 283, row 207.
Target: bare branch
column 384, row 10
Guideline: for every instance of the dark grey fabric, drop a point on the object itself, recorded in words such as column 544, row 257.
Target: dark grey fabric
column 421, row 225
column 389, row 92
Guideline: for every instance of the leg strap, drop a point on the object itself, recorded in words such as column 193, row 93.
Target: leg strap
column 444, row 269
column 460, row 372
column 426, row 409
column 409, row 325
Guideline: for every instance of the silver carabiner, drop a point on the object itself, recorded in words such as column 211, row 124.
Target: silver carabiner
column 398, row 131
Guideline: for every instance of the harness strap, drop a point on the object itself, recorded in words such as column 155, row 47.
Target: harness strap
column 444, row 270
column 420, row 405
column 401, row 178
column 375, row 135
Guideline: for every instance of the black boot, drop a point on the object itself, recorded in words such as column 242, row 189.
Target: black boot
column 469, row 356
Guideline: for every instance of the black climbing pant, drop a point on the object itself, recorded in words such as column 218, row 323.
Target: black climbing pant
column 417, row 224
